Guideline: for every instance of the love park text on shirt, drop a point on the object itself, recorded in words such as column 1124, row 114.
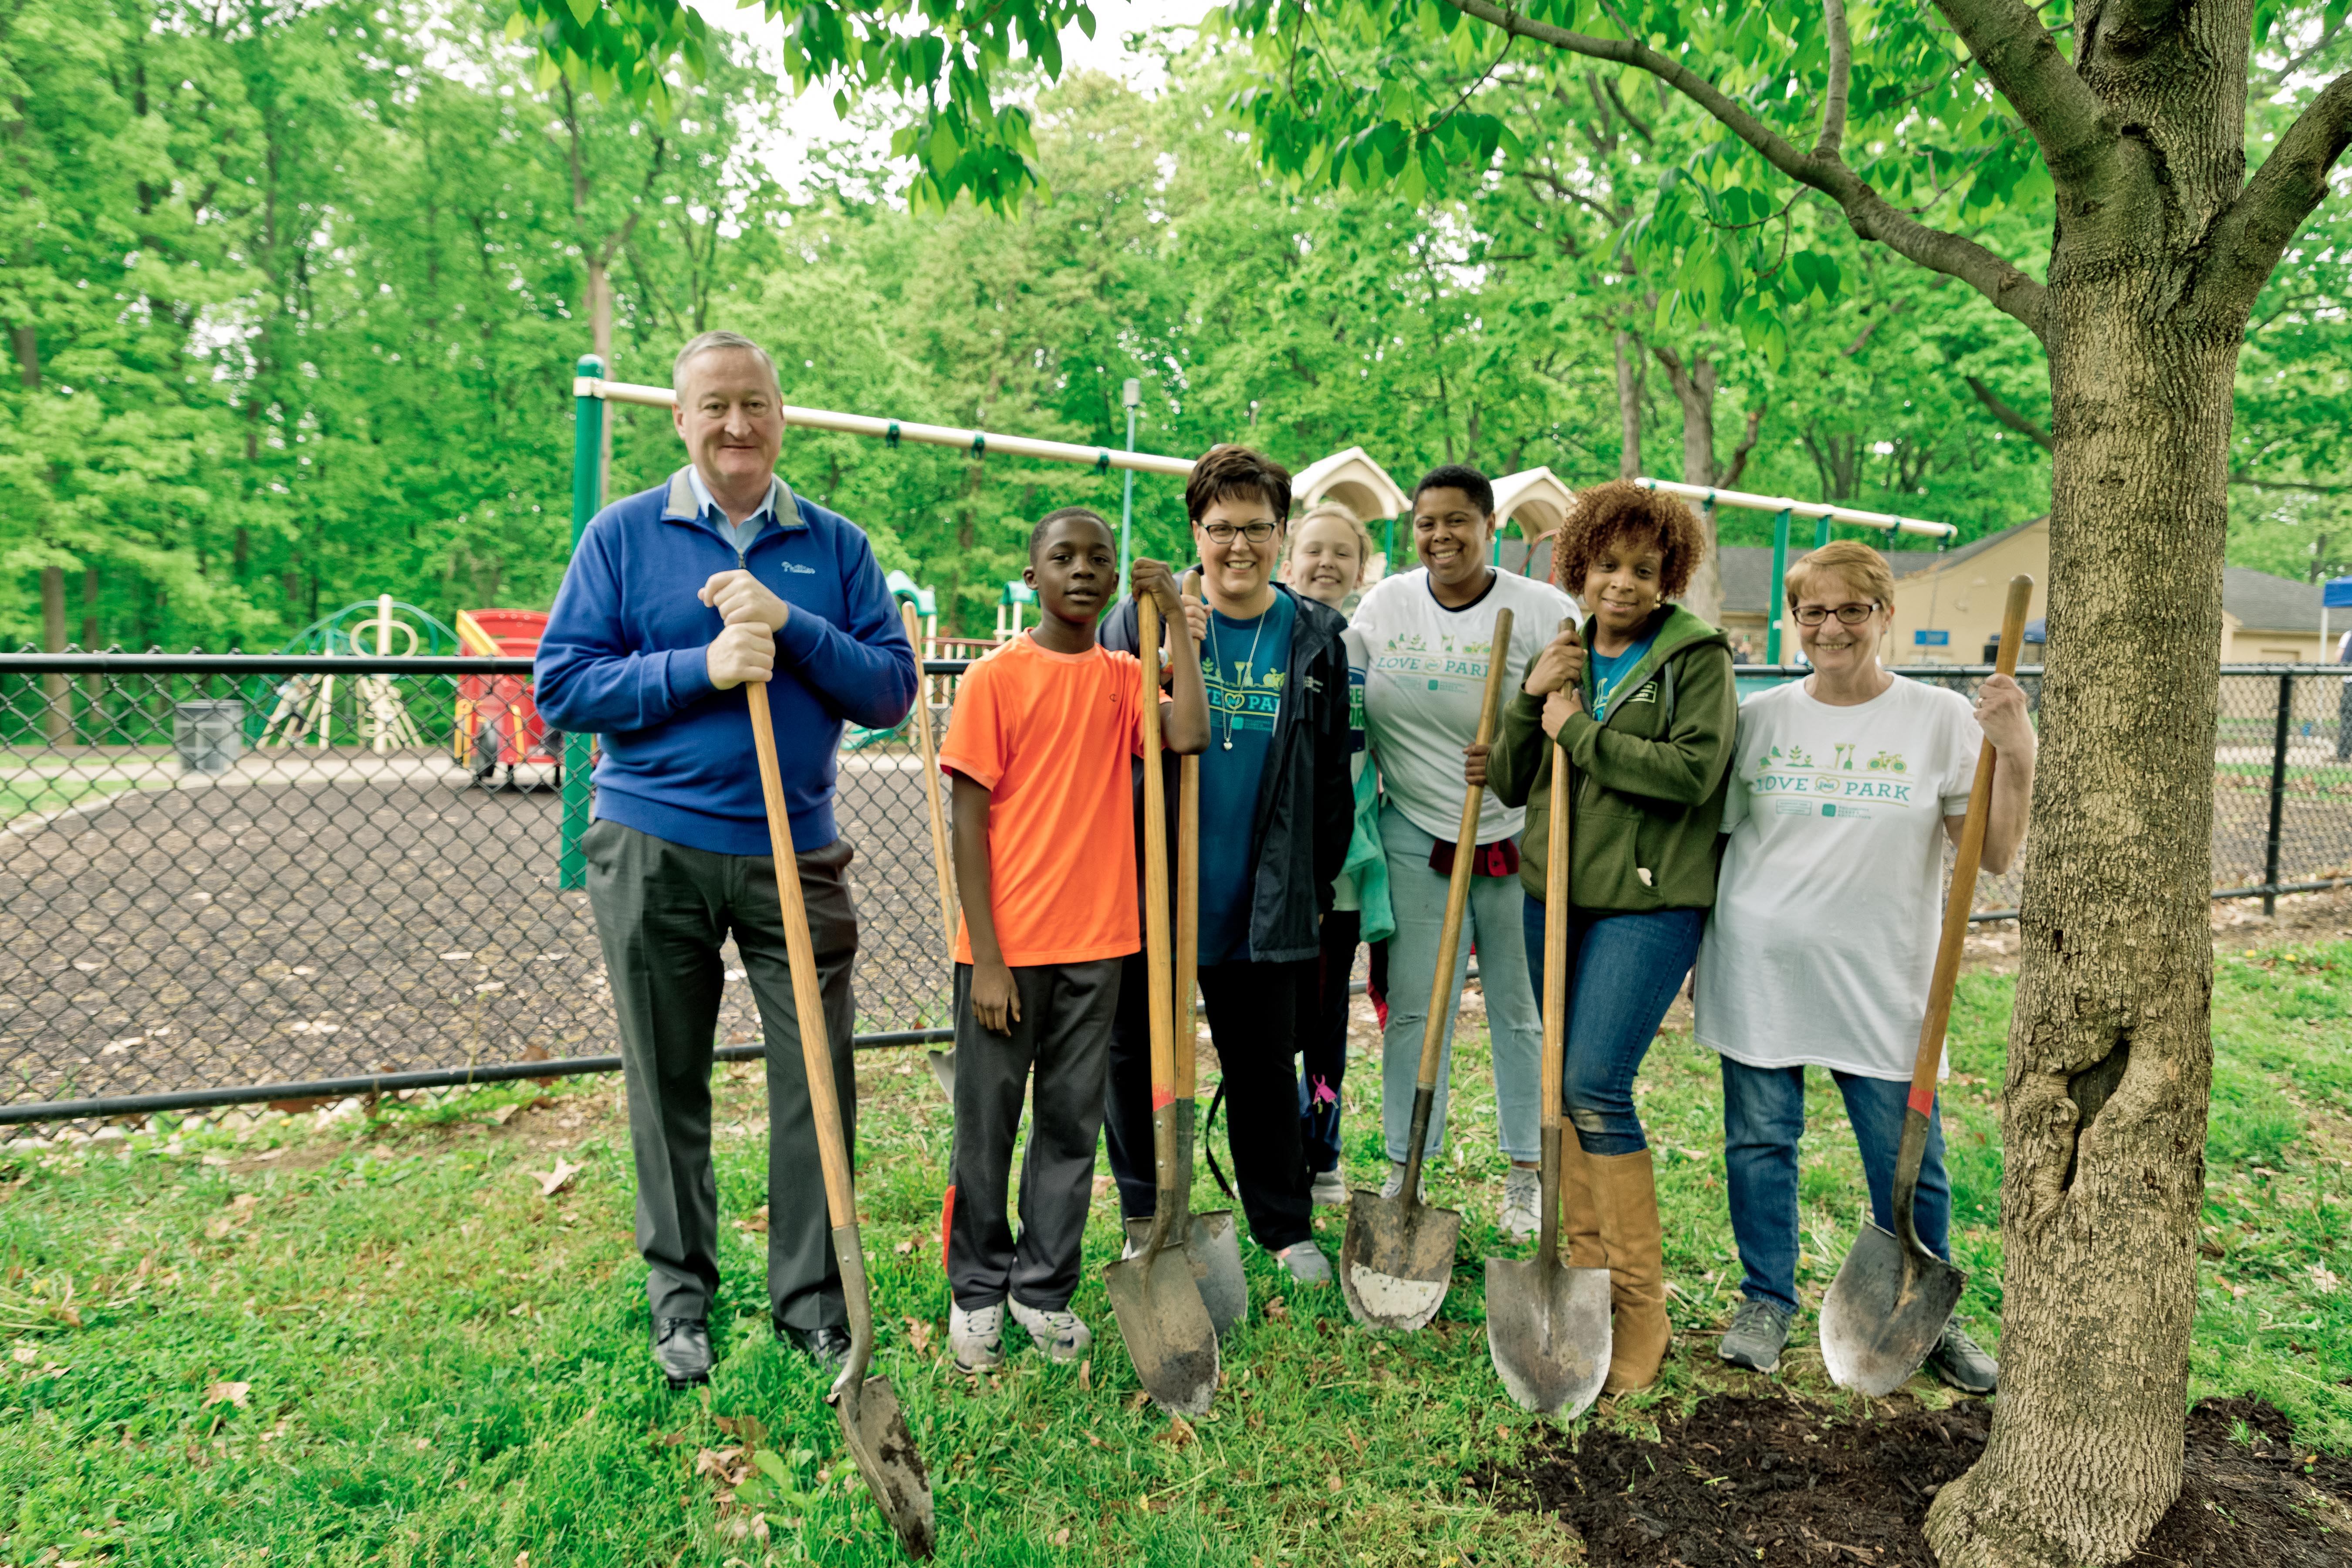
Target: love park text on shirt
column 1409, row 653
column 1799, row 784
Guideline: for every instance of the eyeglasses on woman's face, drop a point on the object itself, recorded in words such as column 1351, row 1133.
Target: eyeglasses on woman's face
column 1224, row 532
column 1847, row 614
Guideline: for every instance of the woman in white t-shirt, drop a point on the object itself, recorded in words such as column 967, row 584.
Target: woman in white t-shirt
column 1428, row 634
column 1845, row 787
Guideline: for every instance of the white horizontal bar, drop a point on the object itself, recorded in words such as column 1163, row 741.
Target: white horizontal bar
column 980, row 443
column 1802, row 509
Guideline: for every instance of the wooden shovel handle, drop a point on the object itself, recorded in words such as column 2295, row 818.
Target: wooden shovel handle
column 1465, row 848
column 1961, row 899
column 1155, row 878
column 816, row 1052
column 1188, row 904
column 1558, row 893
column 931, row 760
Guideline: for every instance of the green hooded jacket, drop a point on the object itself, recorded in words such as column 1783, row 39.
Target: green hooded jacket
column 1648, row 781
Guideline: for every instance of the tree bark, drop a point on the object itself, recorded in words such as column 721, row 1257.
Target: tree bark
column 2110, row 1054
column 55, row 719
column 1629, row 406
column 1694, row 385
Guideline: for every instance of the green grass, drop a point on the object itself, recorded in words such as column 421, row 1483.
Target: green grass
column 442, row 1366
column 31, row 794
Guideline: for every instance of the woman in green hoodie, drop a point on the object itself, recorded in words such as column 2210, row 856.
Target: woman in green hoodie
column 1644, row 721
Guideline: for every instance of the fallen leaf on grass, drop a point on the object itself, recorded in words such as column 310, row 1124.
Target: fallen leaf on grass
column 757, row 1220
column 747, row 1427
column 904, row 1247
column 1178, row 1433
column 1062, row 1536
column 233, row 1393
column 26, row 1354
column 1087, row 1376
column 918, row 1334
column 1279, row 1310
column 504, row 1114
column 554, row 1182
column 1331, row 1484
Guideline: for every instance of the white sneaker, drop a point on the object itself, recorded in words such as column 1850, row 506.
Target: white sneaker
column 1331, row 1189
column 1522, row 1203
column 1395, row 1184
column 1059, row 1335
column 976, row 1338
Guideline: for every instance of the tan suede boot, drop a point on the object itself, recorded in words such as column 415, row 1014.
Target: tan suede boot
column 1580, row 1218
column 1625, row 1192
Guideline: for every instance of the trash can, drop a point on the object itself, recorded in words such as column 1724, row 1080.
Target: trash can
column 208, row 735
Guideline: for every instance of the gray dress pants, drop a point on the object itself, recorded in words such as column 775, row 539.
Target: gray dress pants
column 662, row 909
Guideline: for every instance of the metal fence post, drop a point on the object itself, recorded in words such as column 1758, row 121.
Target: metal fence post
column 587, row 495
column 2278, row 794
column 1778, row 604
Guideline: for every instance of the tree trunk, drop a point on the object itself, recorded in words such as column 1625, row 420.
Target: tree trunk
column 600, row 322
column 2110, row 1056
column 1629, row 406
column 1695, row 389
column 91, row 691
column 55, row 719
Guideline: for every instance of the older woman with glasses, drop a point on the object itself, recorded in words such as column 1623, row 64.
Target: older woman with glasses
column 1845, row 787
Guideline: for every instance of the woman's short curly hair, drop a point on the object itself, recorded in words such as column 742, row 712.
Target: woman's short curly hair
column 1622, row 510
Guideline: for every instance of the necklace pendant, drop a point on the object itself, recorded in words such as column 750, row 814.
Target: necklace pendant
column 1229, row 742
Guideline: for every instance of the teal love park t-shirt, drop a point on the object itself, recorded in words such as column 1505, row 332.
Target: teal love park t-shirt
column 1244, row 664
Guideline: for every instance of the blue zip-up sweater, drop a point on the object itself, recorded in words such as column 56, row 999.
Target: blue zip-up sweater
column 623, row 658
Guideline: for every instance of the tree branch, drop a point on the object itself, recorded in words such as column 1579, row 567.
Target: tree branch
column 2254, row 483
column 2022, row 57
column 1869, row 214
column 2010, row 417
column 1832, row 136
column 2249, row 237
column 1730, row 476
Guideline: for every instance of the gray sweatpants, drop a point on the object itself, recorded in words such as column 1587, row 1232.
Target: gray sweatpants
column 662, row 909
column 1064, row 1035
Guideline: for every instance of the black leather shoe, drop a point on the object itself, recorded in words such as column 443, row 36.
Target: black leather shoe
column 682, row 1349
column 827, row 1346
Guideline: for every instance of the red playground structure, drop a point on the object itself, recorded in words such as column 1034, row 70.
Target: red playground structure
column 498, row 724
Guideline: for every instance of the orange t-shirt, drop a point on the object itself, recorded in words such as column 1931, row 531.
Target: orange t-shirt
column 1049, row 735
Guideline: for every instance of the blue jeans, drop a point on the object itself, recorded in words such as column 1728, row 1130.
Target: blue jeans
column 1763, row 1118
column 1622, row 972
column 1493, row 923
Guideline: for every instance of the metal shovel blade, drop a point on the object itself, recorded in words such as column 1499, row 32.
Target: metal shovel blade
column 1214, row 1250
column 943, row 1069
column 1548, row 1333
column 1883, row 1312
column 1167, row 1329
column 1396, row 1260
column 886, row 1455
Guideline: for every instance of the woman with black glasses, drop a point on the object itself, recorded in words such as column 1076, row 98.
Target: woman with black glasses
column 1844, row 788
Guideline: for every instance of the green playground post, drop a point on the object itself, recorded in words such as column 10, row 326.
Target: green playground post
column 1779, row 576
column 587, row 451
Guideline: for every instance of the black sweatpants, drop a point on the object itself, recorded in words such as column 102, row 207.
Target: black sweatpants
column 1323, row 1037
column 1062, row 1038
column 1253, row 1012
column 662, row 910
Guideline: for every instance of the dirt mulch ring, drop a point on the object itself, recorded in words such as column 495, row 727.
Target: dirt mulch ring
column 1771, row 1481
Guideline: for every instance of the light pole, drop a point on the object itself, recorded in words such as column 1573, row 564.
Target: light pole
column 1131, row 394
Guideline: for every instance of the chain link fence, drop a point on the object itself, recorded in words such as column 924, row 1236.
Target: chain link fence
column 228, row 878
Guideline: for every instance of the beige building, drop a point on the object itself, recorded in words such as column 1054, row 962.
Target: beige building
column 1948, row 604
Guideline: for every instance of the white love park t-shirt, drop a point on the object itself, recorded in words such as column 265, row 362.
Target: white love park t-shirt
column 1427, row 677
column 1830, row 900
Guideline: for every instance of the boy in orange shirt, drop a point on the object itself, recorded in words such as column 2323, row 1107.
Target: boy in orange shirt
column 1039, row 753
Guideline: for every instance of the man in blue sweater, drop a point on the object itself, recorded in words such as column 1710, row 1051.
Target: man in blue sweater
column 718, row 578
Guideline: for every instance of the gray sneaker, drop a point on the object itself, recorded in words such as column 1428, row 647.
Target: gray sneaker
column 1760, row 1332
column 1522, row 1209
column 1395, row 1184
column 1306, row 1263
column 1331, row 1189
column 1962, row 1363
